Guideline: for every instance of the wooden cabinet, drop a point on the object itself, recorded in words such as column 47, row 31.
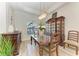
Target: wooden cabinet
column 57, row 25
column 60, row 28
column 16, row 40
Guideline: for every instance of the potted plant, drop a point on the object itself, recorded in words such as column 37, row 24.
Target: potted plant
column 6, row 47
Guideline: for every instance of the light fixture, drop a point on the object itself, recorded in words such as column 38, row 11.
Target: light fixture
column 42, row 14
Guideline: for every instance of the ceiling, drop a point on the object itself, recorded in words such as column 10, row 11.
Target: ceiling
column 36, row 7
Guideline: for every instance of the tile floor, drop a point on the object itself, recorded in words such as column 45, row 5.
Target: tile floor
column 26, row 49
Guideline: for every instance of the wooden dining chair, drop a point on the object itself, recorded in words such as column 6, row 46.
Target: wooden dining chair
column 52, row 46
column 73, row 37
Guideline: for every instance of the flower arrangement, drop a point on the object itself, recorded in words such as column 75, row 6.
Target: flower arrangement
column 41, row 26
column 41, row 30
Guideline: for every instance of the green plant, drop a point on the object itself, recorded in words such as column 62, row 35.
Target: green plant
column 6, row 46
column 41, row 28
column 41, row 25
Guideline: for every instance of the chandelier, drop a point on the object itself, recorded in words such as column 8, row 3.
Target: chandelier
column 43, row 12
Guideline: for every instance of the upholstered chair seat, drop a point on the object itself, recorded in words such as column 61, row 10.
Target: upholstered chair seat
column 72, row 43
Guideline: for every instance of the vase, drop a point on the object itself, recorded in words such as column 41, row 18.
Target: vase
column 11, row 28
column 41, row 34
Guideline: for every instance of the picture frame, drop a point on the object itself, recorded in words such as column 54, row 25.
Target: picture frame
column 54, row 15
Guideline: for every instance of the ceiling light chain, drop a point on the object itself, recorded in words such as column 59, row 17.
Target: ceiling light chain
column 44, row 13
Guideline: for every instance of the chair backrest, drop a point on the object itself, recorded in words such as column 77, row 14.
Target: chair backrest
column 55, row 39
column 73, row 35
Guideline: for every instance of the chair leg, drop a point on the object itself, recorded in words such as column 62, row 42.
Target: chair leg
column 40, row 50
column 64, row 45
column 57, row 50
column 76, row 50
column 49, row 53
column 68, row 45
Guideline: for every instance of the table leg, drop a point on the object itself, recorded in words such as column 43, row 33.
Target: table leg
column 35, row 42
column 31, row 40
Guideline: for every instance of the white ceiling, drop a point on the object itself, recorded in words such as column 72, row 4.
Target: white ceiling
column 34, row 7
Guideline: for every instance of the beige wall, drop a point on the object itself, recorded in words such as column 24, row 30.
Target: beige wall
column 2, row 17
column 5, row 16
column 21, row 19
column 69, row 10
column 71, row 13
column 8, row 16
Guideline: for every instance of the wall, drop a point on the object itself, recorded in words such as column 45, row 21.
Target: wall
column 9, row 11
column 5, row 16
column 71, row 13
column 21, row 19
column 2, row 17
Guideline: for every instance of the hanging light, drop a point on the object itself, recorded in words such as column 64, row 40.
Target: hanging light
column 42, row 15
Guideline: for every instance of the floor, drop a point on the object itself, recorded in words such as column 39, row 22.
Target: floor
column 26, row 49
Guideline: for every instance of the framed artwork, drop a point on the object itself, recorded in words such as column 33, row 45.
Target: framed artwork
column 54, row 15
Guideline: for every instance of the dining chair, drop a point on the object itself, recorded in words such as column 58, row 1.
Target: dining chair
column 73, row 37
column 52, row 46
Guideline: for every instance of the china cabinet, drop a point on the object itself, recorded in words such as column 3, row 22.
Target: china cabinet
column 57, row 25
